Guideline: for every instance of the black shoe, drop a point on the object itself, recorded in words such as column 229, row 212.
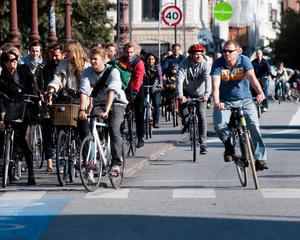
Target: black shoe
column 31, row 181
column 140, row 144
column 229, row 153
column 155, row 125
column 260, row 165
column 203, row 149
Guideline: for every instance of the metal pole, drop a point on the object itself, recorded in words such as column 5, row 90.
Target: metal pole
column 159, row 31
column 184, row 26
column 130, row 20
column 68, row 23
column 52, row 38
column 175, row 28
column 14, row 33
column 118, row 25
column 34, row 35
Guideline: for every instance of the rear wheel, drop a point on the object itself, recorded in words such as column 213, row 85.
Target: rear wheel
column 90, row 164
column 194, row 138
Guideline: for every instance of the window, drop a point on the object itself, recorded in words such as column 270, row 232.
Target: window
column 150, row 11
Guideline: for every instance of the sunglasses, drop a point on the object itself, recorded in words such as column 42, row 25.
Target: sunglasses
column 228, row 50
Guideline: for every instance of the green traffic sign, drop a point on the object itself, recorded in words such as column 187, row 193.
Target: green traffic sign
column 223, row 11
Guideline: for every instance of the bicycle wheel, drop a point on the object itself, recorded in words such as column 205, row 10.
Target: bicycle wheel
column 174, row 113
column 90, row 164
column 37, row 146
column 241, row 164
column 116, row 181
column 258, row 107
column 150, row 122
column 194, row 138
column 62, row 157
column 74, row 158
column 131, row 137
column 6, row 160
column 250, row 157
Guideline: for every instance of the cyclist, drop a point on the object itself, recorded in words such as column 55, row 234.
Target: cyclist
column 66, row 81
column 193, row 82
column 16, row 80
column 134, row 91
column 153, row 77
column 282, row 77
column 231, row 75
column 176, row 58
column 262, row 71
column 107, row 91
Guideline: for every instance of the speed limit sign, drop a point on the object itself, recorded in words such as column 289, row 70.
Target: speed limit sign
column 171, row 15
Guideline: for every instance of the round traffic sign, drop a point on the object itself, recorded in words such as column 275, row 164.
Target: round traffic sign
column 223, row 11
column 171, row 15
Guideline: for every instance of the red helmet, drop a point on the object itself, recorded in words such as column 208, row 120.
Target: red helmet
column 196, row 48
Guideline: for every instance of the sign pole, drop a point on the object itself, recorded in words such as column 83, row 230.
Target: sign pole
column 159, row 30
column 175, row 27
column 184, row 26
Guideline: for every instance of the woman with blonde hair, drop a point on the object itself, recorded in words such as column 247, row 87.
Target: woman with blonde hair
column 66, row 81
column 67, row 76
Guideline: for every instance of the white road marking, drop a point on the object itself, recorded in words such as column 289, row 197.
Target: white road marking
column 108, row 194
column 295, row 119
column 26, row 195
column 193, row 193
column 282, row 193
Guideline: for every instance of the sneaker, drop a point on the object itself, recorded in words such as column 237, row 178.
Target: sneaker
column 31, row 181
column 203, row 149
column 264, row 109
column 90, row 177
column 260, row 165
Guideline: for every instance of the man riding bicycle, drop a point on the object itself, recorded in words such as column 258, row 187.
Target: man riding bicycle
column 193, row 82
column 231, row 75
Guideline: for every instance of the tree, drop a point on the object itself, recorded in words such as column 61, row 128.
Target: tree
column 286, row 48
column 89, row 21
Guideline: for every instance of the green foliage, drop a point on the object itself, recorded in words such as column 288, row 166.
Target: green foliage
column 89, row 21
column 286, row 48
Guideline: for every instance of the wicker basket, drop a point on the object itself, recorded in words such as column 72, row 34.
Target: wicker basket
column 65, row 114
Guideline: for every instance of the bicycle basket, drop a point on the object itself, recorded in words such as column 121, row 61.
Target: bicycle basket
column 65, row 114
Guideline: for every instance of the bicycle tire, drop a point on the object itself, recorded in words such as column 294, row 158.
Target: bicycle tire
column 240, row 164
column 62, row 157
column 132, row 140
column 116, row 182
column 194, row 140
column 6, row 161
column 259, row 112
column 174, row 114
column 251, row 159
column 150, row 122
column 73, row 160
column 90, row 164
column 37, row 146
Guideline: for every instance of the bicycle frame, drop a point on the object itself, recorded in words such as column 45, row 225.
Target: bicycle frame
column 94, row 124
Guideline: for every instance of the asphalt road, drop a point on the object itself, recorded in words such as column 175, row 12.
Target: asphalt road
column 173, row 198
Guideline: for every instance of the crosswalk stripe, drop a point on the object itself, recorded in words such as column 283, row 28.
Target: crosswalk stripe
column 281, row 193
column 108, row 194
column 193, row 193
column 26, row 195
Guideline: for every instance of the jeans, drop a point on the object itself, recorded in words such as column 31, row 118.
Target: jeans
column 221, row 120
column 265, row 82
column 115, row 120
column 156, row 99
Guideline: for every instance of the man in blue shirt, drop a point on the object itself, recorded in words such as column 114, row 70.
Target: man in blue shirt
column 232, row 75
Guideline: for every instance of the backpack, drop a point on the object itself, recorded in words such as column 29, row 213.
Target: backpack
column 125, row 73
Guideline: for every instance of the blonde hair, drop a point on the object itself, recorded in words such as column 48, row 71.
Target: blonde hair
column 79, row 56
column 98, row 51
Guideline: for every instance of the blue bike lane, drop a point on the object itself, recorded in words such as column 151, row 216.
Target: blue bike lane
column 26, row 215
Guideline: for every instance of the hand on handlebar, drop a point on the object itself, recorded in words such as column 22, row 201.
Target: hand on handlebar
column 219, row 105
column 260, row 97
column 104, row 115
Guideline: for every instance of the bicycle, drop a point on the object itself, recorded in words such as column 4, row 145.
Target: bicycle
column 128, row 131
column 11, row 169
column 68, row 142
column 279, row 90
column 95, row 157
column 245, row 150
column 171, row 110
column 148, row 112
column 192, row 119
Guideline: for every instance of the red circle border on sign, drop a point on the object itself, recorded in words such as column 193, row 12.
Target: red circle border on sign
column 175, row 23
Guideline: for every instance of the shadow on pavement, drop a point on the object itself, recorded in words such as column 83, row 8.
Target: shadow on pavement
column 141, row 227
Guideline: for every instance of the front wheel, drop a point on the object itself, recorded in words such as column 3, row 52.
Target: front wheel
column 62, row 157
column 6, row 161
column 250, row 158
column 116, row 181
column 90, row 164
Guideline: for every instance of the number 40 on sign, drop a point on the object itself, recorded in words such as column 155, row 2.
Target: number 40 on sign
column 171, row 15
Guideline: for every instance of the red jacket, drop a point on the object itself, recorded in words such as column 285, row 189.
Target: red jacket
column 138, row 71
